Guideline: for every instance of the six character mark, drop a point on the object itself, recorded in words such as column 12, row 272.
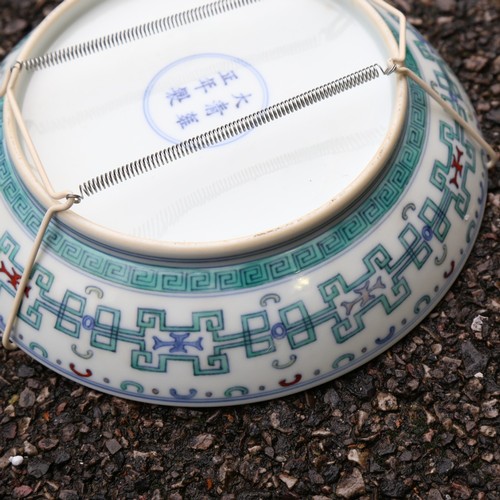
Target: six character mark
column 177, row 95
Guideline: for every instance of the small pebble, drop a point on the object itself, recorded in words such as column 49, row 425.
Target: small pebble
column 387, row 402
column 477, row 323
column 351, row 485
column 16, row 461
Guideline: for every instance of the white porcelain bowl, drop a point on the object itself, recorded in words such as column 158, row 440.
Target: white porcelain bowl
column 266, row 265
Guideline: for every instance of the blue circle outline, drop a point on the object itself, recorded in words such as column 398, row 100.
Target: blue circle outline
column 166, row 69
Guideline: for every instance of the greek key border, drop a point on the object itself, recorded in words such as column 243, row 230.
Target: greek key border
column 171, row 277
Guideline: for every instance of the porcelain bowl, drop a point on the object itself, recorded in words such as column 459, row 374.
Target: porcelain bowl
column 235, row 317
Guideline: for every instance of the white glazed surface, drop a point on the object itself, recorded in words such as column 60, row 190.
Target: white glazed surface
column 267, row 324
column 193, row 80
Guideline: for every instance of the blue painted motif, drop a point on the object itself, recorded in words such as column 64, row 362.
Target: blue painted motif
column 178, row 344
column 88, row 323
column 388, row 337
column 192, row 394
column 279, row 331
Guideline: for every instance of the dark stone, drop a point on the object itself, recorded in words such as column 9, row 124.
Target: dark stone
column 444, row 466
column 446, row 5
column 393, row 488
column 316, row 478
column 68, row 433
column 361, row 385
column 61, row 457
column 113, row 446
column 494, row 115
column 47, row 444
column 142, row 486
column 474, row 361
column 38, row 468
column 9, row 430
column 331, row 473
column 25, row 371
column 332, row 398
column 27, row 398
column 375, row 467
column 69, row 495
column 385, row 447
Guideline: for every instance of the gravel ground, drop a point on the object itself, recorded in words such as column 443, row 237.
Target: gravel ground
column 420, row 421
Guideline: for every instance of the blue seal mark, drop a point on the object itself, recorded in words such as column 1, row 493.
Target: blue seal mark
column 201, row 92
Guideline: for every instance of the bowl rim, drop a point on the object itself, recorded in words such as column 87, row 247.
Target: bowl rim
column 272, row 239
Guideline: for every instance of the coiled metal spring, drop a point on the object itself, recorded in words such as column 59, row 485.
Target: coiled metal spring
column 135, row 33
column 228, row 131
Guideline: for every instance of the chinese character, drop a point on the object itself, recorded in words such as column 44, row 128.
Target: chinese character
column 227, row 77
column 216, row 107
column 178, row 95
column 242, row 99
column 186, row 120
column 207, row 84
